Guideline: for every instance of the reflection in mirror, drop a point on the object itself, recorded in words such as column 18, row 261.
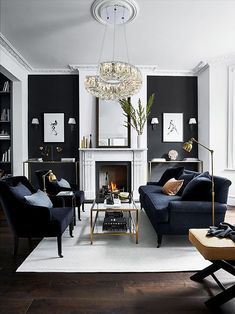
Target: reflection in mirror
column 111, row 131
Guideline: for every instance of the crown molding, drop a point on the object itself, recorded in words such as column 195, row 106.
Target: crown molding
column 10, row 49
column 54, row 71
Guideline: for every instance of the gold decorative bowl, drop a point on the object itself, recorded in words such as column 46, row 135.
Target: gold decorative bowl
column 123, row 195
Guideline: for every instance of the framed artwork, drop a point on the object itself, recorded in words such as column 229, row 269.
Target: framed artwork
column 53, row 127
column 172, row 127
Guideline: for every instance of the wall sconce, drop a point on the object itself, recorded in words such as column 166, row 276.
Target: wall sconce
column 154, row 123
column 192, row 121
column 72, row 123
column 35, row 122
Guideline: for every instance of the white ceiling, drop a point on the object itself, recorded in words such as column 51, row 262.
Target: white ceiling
column 171, row 34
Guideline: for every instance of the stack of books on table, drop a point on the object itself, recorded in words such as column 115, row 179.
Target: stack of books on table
column 114, row 221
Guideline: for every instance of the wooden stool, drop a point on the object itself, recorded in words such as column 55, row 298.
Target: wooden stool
column 221, row 253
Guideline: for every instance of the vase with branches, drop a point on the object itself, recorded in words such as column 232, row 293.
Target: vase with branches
column 136, row 117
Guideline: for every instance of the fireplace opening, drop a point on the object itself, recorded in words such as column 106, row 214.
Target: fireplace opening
column 113, row 176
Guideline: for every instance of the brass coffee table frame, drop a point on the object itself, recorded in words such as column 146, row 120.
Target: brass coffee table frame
column 97, row 207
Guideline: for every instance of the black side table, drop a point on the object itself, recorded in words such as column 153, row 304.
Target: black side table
column 70, row 200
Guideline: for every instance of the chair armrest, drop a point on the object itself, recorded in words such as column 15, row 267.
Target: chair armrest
column 33, row 213
column 57, row 201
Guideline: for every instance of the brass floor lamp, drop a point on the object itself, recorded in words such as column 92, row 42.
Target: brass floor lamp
column 188, row 147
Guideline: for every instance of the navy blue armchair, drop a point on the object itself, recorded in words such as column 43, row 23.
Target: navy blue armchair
column 29, row 221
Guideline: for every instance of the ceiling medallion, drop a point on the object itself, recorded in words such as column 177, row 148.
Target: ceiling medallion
column 115, row 79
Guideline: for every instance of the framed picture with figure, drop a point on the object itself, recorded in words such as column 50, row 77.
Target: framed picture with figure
column 172, row 127
column 53, row 127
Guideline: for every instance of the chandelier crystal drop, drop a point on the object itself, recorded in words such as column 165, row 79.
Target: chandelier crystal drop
column 115, row 79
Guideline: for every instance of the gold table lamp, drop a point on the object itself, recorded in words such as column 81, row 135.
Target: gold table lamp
column 188, row 147
column 51, row 178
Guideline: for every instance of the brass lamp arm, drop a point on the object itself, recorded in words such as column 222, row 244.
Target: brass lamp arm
column 210, row 150
column 44, row 179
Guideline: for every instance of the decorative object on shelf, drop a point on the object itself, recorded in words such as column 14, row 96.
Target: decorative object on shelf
column 35, row 122
column 6, row 87
column 90, row 141
column 192, row 121
column 173, row 154
column 47, row 151
column 172, row 127
column 53, row 127
column 72, row 123
column 5, row 115
column 115, row 79
column 137, row 117
column 154, row 123
column 188, row 147
column 51, row 178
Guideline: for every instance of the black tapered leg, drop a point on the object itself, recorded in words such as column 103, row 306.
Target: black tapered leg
column 159, row 240
column 74, row 215
column 71, row 230
column 16, row 245
column 79, row 212
column 59, row 246
column 83, row 209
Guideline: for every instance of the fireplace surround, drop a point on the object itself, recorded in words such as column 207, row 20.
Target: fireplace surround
column 136, row 157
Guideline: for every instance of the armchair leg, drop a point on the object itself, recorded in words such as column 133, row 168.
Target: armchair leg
column 79, row 212
column 16, row 245
column 71, row 230
column 83, row 207
column 59, row 246
column 159, row 240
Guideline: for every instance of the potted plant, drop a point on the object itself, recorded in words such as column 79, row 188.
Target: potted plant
column 137, row 117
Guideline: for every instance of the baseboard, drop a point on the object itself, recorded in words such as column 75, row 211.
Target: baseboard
column 231, row 200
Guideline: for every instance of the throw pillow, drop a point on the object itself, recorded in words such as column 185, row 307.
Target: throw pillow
column 187, row 178
column 172, row 186
column 20, row 190
column 63, row 183
column 174, row 172
column 198, row 189
column 39, row 199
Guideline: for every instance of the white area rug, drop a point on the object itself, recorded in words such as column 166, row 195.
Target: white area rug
column 114, row 253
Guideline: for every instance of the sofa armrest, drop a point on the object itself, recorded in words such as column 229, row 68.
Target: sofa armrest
column 196, row 207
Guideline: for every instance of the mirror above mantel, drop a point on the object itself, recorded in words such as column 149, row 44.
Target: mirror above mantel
column 110, row 122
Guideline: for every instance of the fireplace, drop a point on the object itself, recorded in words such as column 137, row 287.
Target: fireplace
column 113, row 175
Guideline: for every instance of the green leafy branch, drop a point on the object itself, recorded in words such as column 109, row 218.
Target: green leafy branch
column 136, row 117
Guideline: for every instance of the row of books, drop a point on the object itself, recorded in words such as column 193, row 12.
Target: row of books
column 6, row 87
column 6, row 156
column 114, row 221
column 5, row 115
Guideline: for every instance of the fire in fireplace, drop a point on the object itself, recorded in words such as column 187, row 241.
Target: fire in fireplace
column 113, row 176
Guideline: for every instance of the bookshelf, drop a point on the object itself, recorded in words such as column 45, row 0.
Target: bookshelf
column 5, row 126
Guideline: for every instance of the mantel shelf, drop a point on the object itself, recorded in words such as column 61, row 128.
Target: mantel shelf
column 113, row 149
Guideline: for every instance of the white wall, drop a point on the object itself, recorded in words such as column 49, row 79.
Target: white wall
column 15, row 72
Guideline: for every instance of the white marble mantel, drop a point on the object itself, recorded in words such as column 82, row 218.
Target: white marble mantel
column 89, row 156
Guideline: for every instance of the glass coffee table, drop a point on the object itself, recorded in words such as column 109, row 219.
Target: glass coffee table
column 120, row 219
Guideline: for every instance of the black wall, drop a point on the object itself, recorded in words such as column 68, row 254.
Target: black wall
column 173, row 94
column 53, row 94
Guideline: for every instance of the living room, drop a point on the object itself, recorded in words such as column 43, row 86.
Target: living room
column 185, row 54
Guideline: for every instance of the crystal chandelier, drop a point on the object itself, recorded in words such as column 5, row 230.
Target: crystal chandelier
column 115, row 79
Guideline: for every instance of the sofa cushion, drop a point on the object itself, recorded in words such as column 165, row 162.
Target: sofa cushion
column 20, row 190
column 39, row 199
column 198, row 189
column 156, row 206
column 187, row 178
column 172, row 186
column 174, row 172
column 145, row 189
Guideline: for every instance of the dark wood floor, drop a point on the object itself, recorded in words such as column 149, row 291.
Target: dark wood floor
column 101, row 293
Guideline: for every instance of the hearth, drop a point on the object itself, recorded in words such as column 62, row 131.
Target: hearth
column 113, row 176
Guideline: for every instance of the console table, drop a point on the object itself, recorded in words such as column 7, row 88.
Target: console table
column 28, row 164
column 198, row 163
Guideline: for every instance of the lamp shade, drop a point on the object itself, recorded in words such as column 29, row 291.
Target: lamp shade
column 154, row 121
column 72, row 121
column 192, row 121
column 35, row 121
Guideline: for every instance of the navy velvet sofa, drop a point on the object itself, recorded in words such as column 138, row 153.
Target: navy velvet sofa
column 177, row 214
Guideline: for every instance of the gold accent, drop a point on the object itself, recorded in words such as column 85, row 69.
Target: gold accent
column 187, row 146
column 51, row 178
